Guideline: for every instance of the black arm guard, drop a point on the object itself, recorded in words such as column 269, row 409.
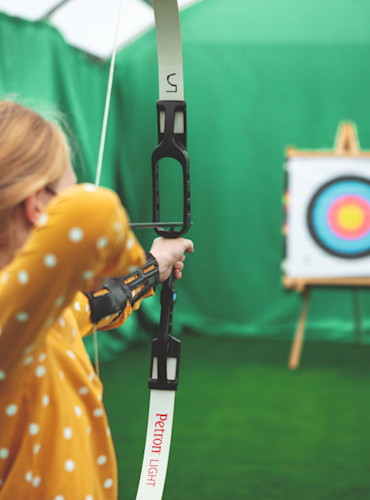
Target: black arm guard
column 113, row 296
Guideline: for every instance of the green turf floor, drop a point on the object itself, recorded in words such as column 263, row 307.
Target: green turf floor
column 248, row 428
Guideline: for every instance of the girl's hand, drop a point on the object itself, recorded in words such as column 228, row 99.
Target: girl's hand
column 170, row 253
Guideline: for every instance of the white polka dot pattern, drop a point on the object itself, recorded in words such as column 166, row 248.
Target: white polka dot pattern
column 33, row 429
column 117, row 226
column 40, row 371
column 69, row 465
column 98, row 412
column 50, row 260
column 23, row 277
column 45, row 400
column 22, row 317
column 28, row 477
column 76, row 235
column 64, row 393
column 101, row 460
column 71, row 354
column 102, row 242
column 11, row 410
column 67, row 433
column 88, row 274
column 28, row 360
column 50, row 322
column 36, row 481
column 36, row 449
column 108, row 483
column 59, row 301
column 78, row 411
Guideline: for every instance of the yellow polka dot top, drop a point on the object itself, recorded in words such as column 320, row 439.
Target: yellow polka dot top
column 55, row 442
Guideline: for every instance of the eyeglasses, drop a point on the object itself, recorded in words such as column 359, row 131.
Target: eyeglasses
column 50, row 191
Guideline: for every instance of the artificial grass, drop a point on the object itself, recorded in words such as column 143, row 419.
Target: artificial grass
column 245, row 426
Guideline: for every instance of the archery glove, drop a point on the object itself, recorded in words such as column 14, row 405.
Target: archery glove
column 112, row 298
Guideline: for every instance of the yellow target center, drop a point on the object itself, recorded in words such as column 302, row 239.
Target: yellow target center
column 350, row 217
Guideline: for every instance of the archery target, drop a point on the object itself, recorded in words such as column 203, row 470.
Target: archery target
column 328, row 217
column 339, row 217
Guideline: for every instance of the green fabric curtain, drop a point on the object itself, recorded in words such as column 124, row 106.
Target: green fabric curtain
column 260, row 75
column 38, row 69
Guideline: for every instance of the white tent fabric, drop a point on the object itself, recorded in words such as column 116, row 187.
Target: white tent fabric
column 89, row 25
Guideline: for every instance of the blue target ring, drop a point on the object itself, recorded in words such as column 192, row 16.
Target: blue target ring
column 338, row 217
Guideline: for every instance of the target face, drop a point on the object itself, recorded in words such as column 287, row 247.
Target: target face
column 338, row 217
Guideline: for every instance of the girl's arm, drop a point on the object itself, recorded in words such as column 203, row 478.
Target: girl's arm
column 83, row 236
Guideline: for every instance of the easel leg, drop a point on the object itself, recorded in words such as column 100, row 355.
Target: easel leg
column 297, row 344
column 357, row 315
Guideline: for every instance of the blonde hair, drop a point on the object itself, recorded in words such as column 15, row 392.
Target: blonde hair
column 33, row 154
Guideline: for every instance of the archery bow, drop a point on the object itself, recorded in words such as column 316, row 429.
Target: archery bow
column 165, row 358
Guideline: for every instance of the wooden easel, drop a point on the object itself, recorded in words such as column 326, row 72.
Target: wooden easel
column 347, row 145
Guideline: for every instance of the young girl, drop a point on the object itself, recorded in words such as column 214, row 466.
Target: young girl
column 58, row 240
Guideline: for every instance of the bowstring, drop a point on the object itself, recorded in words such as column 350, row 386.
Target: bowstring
column 103, row 135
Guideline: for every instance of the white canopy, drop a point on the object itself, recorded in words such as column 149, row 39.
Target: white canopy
column 89, row 24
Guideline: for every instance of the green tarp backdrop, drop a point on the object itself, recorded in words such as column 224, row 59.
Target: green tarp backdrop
column 260, row 75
